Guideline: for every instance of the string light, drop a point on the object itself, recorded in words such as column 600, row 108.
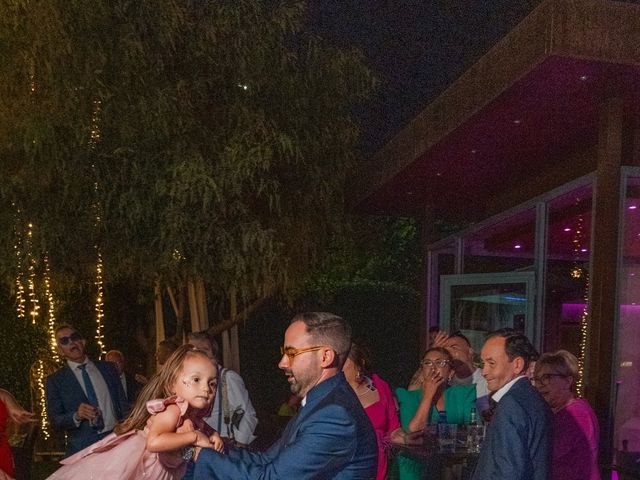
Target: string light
column 576, row 273
column 33, row 298
column 99, row 307
column 51, row 325
column 41, row 398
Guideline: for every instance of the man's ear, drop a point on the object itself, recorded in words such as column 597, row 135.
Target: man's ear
column 518, row 365
column 328, row 357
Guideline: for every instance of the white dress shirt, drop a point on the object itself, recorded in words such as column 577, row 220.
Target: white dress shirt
column 105, row 404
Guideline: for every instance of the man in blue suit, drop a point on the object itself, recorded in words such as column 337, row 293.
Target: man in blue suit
column 84, row 398
column 331, row 437
column 518, row 440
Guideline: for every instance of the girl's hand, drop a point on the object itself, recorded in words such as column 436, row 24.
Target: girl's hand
column 20, row 416
column 217, row 442
column 432, row 382
column 202, row 440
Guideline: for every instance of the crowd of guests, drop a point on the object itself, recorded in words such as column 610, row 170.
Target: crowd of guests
column 194, row 418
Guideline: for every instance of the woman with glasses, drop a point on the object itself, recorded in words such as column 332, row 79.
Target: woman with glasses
column 575, row 426
column 423, row 403
column 377, row 400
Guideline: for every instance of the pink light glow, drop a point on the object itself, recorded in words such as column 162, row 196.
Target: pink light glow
column 633, row 207
column 517, row 246
column 567, row 229
column 583, row 250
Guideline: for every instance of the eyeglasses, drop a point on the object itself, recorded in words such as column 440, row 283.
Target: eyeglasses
column 292, row 352
column 74, row 337
column 546, row 378
column 441, row 362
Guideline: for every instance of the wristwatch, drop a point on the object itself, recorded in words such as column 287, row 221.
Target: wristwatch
column 187, row 453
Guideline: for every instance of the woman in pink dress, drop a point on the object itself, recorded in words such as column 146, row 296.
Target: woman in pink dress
column 151, row 441
column 575, row 426
column 9, row 410
column 376, row 398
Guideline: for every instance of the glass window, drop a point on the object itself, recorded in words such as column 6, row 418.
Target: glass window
column 506, row 246
column 567, row 269
column 627, row 413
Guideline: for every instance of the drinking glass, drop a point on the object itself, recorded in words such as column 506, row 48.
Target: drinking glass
column 475, row 436
column 447, row 436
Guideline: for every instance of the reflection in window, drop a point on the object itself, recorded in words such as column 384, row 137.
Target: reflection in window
column 627, row 414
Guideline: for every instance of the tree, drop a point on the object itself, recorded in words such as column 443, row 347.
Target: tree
column 183, row 139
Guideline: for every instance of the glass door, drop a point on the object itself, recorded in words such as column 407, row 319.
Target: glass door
column 477, row 304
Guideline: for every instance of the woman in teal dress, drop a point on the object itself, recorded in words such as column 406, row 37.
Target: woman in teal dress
column 432, row 396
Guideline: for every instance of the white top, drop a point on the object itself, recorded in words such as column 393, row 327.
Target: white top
column 105, row 404
column 238, row 398
column 482, row 389
column 503, row 391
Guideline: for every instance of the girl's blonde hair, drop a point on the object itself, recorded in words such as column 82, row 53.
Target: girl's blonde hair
column 159, row 386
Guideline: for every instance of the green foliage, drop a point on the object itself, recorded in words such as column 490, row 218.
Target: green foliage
column 375, row 251
column 20, row 346
column 224, row 138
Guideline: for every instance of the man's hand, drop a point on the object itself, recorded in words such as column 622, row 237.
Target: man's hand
column 440, row 339
column 141, row 379
column 87, row 412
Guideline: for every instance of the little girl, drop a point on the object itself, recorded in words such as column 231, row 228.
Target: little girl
column 145, row 447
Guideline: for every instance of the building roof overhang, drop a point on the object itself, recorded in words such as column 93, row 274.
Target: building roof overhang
column 532, row 99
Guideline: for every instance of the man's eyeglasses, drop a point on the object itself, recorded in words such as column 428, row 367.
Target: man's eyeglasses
column 292, row 352
column 74, row 337
column 441, row 362
column 546, row 378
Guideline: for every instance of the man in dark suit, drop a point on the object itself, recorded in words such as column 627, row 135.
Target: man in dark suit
column 331, row 437
column 518, row 440
column 129, row 383
column 84, row 398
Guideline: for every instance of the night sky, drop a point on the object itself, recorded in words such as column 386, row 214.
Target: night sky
column 416, row 48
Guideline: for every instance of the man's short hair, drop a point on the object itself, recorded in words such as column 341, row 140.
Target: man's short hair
column 516, row 345
column 328, row 329
column 63, row 326
column 116, row 353
column 205, row 336
column 459, row 334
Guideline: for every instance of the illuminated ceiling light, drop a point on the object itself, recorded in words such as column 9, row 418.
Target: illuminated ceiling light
column 583, row 250
column 517, row 246
column 633, row 207
column 567, row 229
column 583, row 77
column 517, row 121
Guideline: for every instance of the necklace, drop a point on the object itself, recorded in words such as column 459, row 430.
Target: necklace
column 369, row 387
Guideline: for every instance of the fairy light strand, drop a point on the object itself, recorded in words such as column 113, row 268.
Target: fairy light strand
column 44, row 418
column 34, row 312
column 99, row 306
column 51, row 312
column 576, row 273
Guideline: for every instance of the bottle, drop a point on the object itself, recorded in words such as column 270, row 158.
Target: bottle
column 473, row 433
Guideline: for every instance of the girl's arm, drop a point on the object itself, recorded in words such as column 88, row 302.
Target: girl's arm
column 429, row 388
column 162, row 436
column 16, row 412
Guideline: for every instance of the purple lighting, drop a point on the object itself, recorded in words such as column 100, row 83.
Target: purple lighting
column 633, row 207
column 517, row 246
column 583, row 250
column 567, row 229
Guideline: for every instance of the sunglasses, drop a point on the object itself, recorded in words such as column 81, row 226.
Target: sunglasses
column 74, row 337
column 292, row 352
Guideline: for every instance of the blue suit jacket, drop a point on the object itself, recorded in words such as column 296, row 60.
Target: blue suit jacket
column 518, row 439
column 331, row 437
column 64, row 395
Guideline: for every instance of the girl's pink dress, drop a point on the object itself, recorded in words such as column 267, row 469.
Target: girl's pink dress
column 384, row 417
column 125, row 457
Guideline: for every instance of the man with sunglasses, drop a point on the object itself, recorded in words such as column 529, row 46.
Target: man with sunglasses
column 84, row 398
column 331, row 437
